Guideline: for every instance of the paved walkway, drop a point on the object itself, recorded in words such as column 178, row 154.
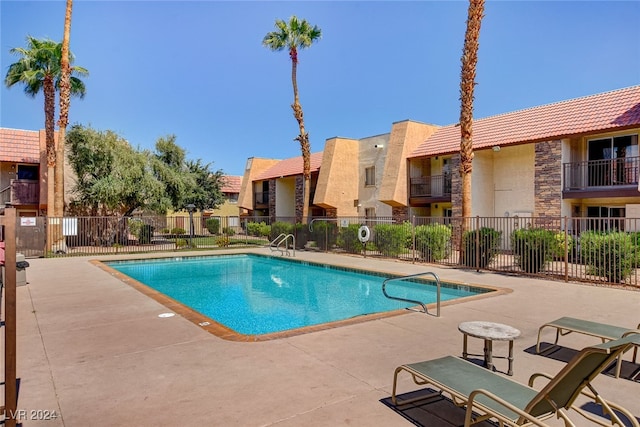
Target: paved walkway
column 93, row 351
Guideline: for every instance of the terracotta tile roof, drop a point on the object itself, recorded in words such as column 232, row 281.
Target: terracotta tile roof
column 288, row 167
column 231, row 184
column 22, row 146
column 590, row 114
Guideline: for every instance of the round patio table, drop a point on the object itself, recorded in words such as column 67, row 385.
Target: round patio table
column 489, row 332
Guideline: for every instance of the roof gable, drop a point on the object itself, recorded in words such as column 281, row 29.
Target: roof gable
column 20, row 146
column 617, row 109
column 289, row 167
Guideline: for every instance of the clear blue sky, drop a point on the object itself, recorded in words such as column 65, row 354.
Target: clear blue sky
column 198, row 70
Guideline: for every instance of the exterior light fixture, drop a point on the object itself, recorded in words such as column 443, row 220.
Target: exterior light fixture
column 496, row 148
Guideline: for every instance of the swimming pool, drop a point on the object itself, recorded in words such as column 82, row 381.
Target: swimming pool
column 254, row 294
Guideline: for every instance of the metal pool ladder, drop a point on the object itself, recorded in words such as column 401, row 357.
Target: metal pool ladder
column 283, row 239
column 424, row 307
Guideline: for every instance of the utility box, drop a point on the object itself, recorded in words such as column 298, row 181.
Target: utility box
column 21, row 271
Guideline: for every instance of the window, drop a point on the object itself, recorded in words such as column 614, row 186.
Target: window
column 232, row 197
column 370, row 176
column 28, row 172
column 613, row 160
column 603, row 218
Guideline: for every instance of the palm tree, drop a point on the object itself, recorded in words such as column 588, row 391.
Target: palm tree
column 63, row 121
column 467, row 85
column 294, row 35
column 38, row 69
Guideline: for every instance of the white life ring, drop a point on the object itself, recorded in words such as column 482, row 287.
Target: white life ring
column 364, row 234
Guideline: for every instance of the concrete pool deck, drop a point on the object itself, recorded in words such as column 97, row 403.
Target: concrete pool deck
column 94, row 351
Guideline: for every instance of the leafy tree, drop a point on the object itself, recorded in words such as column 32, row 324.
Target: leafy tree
column 294, row 35
column 186, row 181
column 168, row 165
column 206, row 191
column 113, row 178
column 39, row 69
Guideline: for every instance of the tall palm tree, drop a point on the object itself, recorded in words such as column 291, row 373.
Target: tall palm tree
column 293, row 35
column 63, row 121
column 467, row 85
column 38, row 69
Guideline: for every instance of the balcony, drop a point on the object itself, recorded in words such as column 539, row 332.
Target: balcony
column 430, row 189
column 21, row 192
column 261, row 199
column 601, row 178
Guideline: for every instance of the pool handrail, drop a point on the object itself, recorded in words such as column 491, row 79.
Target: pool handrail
column 283, row 238
column 424, row 307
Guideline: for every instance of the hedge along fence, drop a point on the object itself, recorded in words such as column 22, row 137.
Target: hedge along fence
column 587, row 249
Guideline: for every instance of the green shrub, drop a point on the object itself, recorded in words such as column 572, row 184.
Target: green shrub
column 486, row 241
column 223, row 241
column 348, row 239
column 178, row 231
column 324, row 233
column 301, row 233
column 134, row 225
column 560, row 245
column 145, row 233
column 610, row 255
column 533, row 247
column 253, row 228
column 281, row 227
column 258, row 229
column 228, row 231
column 165, row 231
column 213, row 225
column 391, row 239
column 433, row 241
column 181, row 243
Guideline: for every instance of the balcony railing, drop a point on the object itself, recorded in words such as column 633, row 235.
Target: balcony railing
column 20, row 192
column 601, row 173
column 430, row 186
column 261, row 198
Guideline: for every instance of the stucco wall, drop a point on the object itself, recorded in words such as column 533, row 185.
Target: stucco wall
column 337, row 185
column 285, row 197
column 514, row 180
column 405, row 137
column 254, row 167
column 372, row 152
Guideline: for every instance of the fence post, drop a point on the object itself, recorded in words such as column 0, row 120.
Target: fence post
column 10, row 386
column 413, row 239
column 566, row 249
column 477, row 233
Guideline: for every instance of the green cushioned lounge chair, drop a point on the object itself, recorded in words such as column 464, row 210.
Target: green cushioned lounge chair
column 488, row 395
column 566, row 325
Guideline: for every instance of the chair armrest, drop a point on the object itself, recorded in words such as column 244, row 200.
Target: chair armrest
column 499, row 400
column 533, row 377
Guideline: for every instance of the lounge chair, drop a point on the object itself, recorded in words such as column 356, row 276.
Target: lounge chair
column 488, row 395
column 566, row 325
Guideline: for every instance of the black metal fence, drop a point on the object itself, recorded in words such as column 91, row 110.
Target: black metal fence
column 600, row 250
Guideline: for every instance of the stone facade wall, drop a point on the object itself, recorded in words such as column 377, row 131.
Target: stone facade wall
column 272, row 200
column 456, row 186
column 331, row 212
column 299, row 197
column 400, row 214
column 548, row 179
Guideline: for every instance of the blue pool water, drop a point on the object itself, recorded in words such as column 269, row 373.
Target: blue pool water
column 254, row 294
